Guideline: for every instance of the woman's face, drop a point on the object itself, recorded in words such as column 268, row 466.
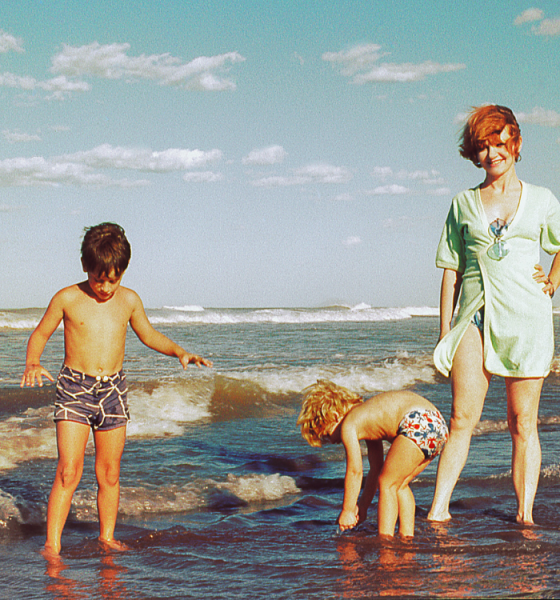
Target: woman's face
column 494, row 156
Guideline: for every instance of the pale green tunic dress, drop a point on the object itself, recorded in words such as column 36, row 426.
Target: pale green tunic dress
column 518, row 331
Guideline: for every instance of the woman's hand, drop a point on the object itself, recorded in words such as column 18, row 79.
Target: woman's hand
column 540, row 277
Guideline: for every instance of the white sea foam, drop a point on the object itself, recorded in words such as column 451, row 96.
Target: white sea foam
column 161, row 499
column 27, row 437
column 391, row 374
column 169, row 315
column 193, row 308
column 164, row 410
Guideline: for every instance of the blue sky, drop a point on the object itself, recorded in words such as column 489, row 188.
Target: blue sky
column 280, row 153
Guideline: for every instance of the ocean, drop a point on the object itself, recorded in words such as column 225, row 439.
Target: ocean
column 222, row 498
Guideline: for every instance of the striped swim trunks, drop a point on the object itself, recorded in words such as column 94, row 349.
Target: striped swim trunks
column 99, row 402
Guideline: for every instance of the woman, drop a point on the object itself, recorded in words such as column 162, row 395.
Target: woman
column 488, row 250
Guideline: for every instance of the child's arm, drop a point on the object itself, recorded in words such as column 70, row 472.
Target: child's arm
column 37, row 342
column 157, row 341
column 348, row 517
column 375, row 458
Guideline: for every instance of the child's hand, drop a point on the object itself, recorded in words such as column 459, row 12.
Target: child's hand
column 540, row 277
column 348, row 519
column 32, row 373
column 192, row 359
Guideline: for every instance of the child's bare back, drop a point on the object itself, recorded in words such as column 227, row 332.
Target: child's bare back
column 379, row 417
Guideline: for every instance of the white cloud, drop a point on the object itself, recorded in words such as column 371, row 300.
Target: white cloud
column 388, row 190
column 202, row 176
column 528, row 16
column 315, row 173
column 549, row 27
column 143, row 159
column 59, row 87
column 111, row 61
column 84, row 168
column 352, row 240
column 265, row 156
column 430, row 177
column 382, row 172
column 361, row 64
column 19, row 136
column 9, row 42
column 356, row 59
column 540, row 116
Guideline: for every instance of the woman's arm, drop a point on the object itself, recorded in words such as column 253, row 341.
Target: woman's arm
column 450, row 287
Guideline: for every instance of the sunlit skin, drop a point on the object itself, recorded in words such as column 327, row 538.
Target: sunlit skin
column 500, row 193
column 96, row 314
column 373, row 421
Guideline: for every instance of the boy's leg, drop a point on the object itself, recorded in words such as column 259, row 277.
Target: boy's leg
column 470, row 382
column 404, row 461
column 71, row 439
column 523, row 397
column 109, row 446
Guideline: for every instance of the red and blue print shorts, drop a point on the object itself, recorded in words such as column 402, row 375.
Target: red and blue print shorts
column 427, row 429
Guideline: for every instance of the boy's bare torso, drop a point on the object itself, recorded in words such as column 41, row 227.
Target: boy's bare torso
column 94, row 330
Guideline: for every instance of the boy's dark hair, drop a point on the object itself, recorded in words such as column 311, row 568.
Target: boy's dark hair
column 105, row 248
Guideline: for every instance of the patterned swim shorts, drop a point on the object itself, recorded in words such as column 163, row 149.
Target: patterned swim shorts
column 99, row 402
column 427, row 429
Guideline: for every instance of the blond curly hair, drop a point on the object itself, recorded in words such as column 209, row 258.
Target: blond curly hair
column 324, row 403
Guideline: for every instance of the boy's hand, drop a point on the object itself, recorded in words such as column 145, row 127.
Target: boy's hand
column 192, row 359
column 540, row 277
column 32, row 373
column 348, row 519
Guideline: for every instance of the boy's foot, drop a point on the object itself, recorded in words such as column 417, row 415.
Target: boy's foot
column 115, row 545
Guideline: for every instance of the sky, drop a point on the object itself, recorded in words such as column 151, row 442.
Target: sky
column 288, row 153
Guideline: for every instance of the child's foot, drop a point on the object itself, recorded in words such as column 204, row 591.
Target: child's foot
column 114, row 544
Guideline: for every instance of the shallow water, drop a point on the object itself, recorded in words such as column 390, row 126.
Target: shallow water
column 222, row 498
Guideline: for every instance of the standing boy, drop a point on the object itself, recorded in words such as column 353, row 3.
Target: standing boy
column 91, row 387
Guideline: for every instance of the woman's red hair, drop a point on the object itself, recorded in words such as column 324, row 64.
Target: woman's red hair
column 485, row 124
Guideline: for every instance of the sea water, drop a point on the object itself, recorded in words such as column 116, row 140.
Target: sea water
column 222, row 498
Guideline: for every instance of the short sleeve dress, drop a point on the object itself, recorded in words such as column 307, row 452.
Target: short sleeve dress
column 518, row 330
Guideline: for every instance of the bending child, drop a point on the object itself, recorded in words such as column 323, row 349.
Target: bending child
column 91, row 387
column 414, row 427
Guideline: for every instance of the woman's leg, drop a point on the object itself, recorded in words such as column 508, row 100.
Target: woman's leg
column 469, row 380
column 523, row 397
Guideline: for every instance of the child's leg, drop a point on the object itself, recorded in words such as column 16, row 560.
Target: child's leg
column 71, row 439
column 404, row 461
column 109, row 446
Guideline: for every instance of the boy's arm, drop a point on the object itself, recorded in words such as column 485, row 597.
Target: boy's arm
column 375, row 459
column 38, row 340
column 157, row 341
column 348, row 517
